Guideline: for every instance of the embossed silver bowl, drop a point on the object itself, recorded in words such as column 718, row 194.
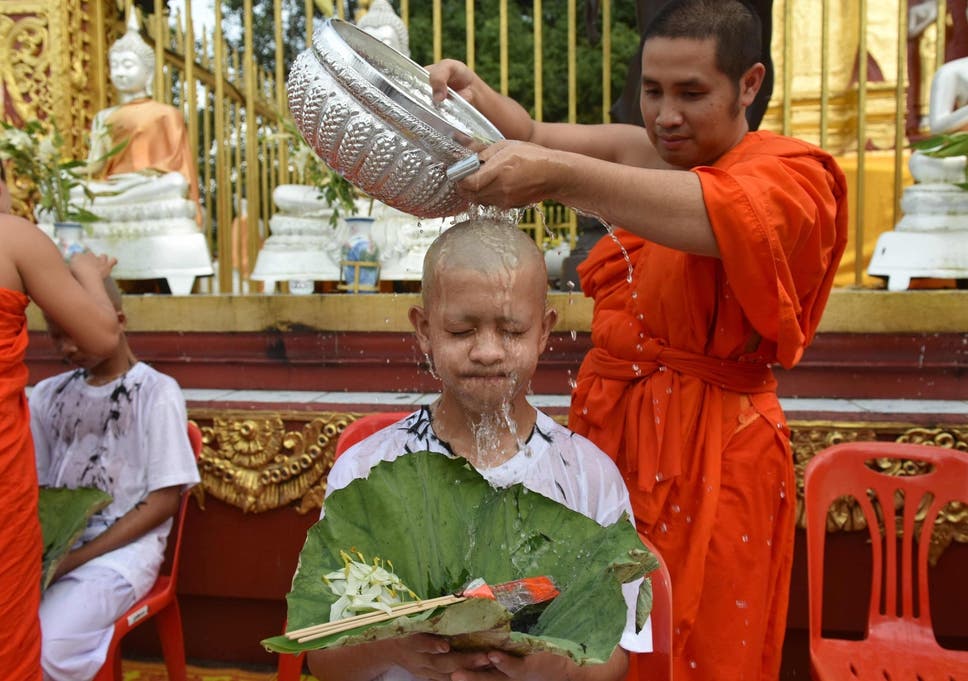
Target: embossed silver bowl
column 367, row 112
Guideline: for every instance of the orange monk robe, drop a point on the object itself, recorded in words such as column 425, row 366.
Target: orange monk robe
column 678, row 390
column 157, row 138
column 20, row 536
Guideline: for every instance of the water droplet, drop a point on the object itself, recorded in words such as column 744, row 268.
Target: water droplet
column 743, row 643
column 746, row 539
column 663, row 528
column 657, row 420
column 742, row 604
column 634, row 294
column 636, row 369
column 676, row 508
column 692, row 664
column 574, row 335
column 688, row 519
column 584, row 410
column 662, row 368
column 638, row 347
column 668, row 391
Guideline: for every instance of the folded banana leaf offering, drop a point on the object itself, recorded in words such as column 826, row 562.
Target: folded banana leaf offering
column 63, row 517
column 428, row 525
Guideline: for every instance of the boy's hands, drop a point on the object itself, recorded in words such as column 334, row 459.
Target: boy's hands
column 535, row 667
column 429, row 657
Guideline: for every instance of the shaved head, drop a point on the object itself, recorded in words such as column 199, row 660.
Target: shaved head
column 481, row 245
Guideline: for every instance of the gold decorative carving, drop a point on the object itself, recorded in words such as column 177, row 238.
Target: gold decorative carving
column 251, row 460
column 810, row 437
column 255, row 461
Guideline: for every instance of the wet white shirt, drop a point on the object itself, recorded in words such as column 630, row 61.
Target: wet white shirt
column 555, row 462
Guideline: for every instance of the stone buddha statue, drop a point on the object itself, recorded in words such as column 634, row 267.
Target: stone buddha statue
column 382, row 22
column 931, row 239
column 146, row 195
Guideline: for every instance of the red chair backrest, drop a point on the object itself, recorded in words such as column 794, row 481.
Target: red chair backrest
column 365, row 426
column 843, row 470
column 657, row 665
column 173, row 549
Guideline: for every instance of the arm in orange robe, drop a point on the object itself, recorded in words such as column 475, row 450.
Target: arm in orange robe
column 678, row 389
column 20, row 536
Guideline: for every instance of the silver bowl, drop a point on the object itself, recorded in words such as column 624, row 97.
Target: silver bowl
column 367, row 112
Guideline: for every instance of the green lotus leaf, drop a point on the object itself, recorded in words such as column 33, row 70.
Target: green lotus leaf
column 63, row 516
column 438, row 524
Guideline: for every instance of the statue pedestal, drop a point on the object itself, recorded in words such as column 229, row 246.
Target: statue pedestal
column 930, row 241
column 304, row 248
column 302, row 244
column 170, row 248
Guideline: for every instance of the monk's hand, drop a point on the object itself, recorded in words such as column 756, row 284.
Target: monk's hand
column 534, row 667
column 429, row 657
column 513, row 175
column 87, row 262
column 456, row 75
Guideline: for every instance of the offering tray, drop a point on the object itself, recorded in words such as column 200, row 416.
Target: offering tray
column 367, row 111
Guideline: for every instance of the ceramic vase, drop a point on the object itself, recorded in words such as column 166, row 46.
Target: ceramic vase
column 69, row 237
column 359, row 263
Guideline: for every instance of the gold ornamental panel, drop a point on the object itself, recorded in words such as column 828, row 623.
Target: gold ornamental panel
column 259, row 460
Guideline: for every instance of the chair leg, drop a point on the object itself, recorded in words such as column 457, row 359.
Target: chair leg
column 290, row 667
column 169, row 624
column 111, row 669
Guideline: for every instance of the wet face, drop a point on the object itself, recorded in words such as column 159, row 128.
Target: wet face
column 693, row 112
column 128, row 73
column 484, row 333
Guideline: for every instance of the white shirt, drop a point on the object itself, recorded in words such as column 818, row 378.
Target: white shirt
column 128, row 438
column 555, row 462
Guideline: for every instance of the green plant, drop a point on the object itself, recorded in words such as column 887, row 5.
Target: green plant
column 334, row 189
column 36, row 152
column 946, row 145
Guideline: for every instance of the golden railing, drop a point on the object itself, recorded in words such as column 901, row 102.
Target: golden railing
column 819, row 95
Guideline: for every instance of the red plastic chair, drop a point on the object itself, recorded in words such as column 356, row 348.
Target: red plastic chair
column 290, row 666
column 900, row 642
column 160, row 602
column 657, row 665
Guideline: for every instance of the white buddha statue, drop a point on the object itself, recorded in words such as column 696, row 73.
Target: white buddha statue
column 382, row 22
column 931, row 239
column 145, row 195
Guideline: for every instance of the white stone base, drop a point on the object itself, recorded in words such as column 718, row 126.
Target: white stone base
column 902, row 256
column 178, row 258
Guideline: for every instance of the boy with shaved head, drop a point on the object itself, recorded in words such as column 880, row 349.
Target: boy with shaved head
column 483, row 324
column 119, row 425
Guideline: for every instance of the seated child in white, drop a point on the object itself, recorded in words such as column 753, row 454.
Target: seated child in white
column 120, row 426
column 483, row 324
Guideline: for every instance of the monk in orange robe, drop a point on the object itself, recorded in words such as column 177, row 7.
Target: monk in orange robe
column 30, row 264
column 729, row 245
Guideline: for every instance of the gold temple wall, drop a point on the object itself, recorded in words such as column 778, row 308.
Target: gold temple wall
column 60, row 47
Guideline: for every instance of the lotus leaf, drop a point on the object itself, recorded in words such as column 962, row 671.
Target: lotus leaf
column 63, row 516
column 440, row 524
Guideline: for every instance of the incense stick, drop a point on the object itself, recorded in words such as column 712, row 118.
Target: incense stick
column 325, row 629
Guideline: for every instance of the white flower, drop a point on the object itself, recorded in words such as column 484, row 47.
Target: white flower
column 47, row 151
column 362, row 587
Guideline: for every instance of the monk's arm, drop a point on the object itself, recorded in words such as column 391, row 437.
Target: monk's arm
column 73, row 296
column 625, row 144
column 663, row 206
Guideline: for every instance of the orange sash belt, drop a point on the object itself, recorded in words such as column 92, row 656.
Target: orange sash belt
column 633, row 410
